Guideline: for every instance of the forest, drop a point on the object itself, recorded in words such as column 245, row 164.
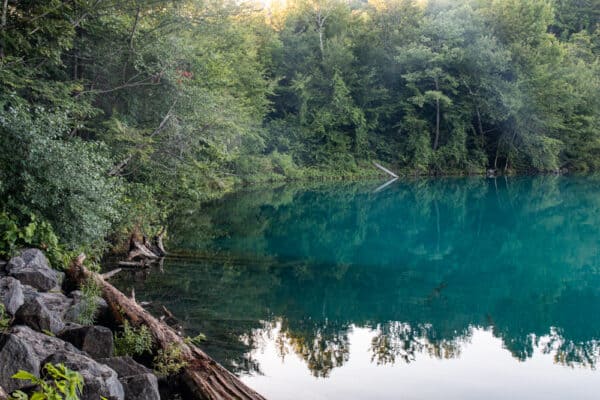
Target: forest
column 113, row 114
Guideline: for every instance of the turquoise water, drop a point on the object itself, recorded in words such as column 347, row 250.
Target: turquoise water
column 427, row 289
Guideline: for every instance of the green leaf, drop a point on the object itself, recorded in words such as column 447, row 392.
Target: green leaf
column 25, row 376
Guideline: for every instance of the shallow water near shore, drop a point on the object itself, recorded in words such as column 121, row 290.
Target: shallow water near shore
column 452, row 288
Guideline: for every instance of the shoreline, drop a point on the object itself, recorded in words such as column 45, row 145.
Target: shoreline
column 44, row 329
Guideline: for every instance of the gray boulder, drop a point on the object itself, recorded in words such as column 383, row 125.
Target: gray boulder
column 38, row 349
column 43, row 345
column 57, row 303
column 44, row 311
column 32, row 268
column 141, row 387
column 138, row 381
column 11, row 294
column 99, row 380
column 16, row 354
column 97, row 341
column 125, row 366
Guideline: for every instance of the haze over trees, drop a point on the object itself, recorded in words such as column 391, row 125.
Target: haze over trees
column 114, row 112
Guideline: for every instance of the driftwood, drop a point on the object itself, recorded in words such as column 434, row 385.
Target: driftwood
column 384, row 169
column 157, row 243
column 139, row 250
column 140, row 264
column 110, row 274
column 3, row 394
column 145, row 249
column 205, row 378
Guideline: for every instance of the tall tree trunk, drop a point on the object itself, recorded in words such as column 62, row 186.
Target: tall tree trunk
column 321, row 42
column 479, row 123
column 131, row 39
column 437, row 117
column 3, row 25
column 321, row 18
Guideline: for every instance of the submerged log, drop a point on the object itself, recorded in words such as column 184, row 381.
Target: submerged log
column 205, row 378
column 132, row 264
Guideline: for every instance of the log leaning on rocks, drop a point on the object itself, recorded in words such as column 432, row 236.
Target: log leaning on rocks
column 205, row 378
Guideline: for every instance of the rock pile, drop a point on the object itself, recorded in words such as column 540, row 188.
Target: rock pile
column 45, row 330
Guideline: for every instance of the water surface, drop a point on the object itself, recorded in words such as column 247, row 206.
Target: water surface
column 454, row 288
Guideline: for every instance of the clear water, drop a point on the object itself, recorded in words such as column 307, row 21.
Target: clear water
column 453, row 288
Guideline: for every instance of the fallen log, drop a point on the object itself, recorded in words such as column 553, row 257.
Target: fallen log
column 205, row 378
column 110, row 274
column 384, row 169
column 141, row 264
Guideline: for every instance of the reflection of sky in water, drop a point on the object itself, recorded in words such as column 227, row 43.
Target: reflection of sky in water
column 484, row 370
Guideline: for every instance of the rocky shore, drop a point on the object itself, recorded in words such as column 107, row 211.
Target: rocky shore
column 44, row 328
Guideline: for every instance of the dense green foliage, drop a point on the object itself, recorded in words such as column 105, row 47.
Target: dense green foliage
column 169, row 361
column 133, row 341
column 113, row 112
column 31, row 233
column 5, row 319
column 59, row 383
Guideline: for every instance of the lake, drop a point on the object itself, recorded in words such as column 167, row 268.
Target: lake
column 465, row 288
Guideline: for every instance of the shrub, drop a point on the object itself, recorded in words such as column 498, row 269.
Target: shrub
column 5, row 320
column 63, row 179
column 90, row 293
column 33, row 232
column 169, row 361
column 133, row 341
column 60, row 383
column 196, row 340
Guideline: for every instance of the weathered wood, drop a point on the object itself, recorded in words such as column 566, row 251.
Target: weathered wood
column 141, row 264
column 384, row 169
column 3, row 394
column 158, row 243
column 137, row 250
column 110, row 274
column 205, row 378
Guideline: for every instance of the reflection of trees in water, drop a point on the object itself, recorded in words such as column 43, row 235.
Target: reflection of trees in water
column 398, row 341
column 569, row 353
column 517, row 255
column 323, row 346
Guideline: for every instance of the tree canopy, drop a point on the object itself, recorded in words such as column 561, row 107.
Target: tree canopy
column 113, row 112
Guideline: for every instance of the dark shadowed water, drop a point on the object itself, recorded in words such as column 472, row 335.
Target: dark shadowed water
column 429, row 289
